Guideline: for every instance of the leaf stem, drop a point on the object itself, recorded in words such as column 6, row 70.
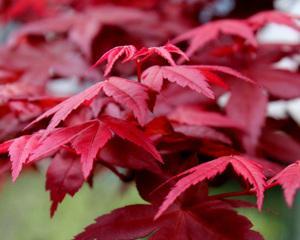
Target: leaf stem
column 139, row 69
column 123, row 177
column 232, row 194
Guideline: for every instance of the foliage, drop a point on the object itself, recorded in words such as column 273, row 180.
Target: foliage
column 152, row 114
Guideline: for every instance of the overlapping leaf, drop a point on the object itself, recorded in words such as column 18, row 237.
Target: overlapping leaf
column 201, row 117
column 195, row 218
column 130, row 94
column 259, row 20
column 64, row 176
column 248, row 169
column 202, row 35
column 133, row 95
column 250, row 114
column 111, row 56
column 289, row 179
column 181, row 75
column 163, row 51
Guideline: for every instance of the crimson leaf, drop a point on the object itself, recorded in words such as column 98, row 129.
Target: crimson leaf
column 248, row 169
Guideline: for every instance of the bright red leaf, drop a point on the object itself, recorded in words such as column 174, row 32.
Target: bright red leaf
column 248, row 169
column 130, row 94
column 289, row 179
column 111, row 56
column 181, row 75
column 19, row 152
column 164, row 51
column 62, row 110
column 88, row 143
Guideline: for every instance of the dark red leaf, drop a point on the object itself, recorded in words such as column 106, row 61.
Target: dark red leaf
column 64, row 176
column 130, row 132
column 195, row 218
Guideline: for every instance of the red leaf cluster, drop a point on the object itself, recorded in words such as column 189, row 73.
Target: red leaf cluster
column 150, row 111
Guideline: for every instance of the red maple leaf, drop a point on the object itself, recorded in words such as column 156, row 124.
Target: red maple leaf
column 200, row 36
column 63, row 177
column 214, row 219
column 111, row 56
column 181, row 75
column 288, row 178
column 163, row 51
column 248, row 169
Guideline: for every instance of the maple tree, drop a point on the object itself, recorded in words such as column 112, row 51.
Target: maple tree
column 151, row 78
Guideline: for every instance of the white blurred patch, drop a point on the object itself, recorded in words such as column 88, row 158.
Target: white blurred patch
column 63, row 87
column 277, row 109
column 275, row 33
column 293, row 108
column 223, row 100
column 287, row 63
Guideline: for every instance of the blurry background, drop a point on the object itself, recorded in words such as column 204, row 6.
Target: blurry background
column 24, row 205
column 24, row 210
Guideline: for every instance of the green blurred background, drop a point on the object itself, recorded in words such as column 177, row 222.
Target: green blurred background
column 24, row 210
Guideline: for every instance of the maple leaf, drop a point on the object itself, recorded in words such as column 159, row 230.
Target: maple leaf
column 4, row 147
column 63, row 177
column 260, row 19
column 184, row 76
column 131, row 94
column 274, row 80
column 88, row 143
column 163, row 51
column 201, row 117
column 201, row 132
column 55, row 139
column 272, row 146
column 200, row 36
column 89, row 138
column 131, row 157
column 62, row 110
column 288, row 178
column 248, row 169
column 28, row 148
column 111, row 56
column 129, row 131
column 124, row 124
column 138, row 223
column 208, row 69
column 248, row 113
column 195, row 218
column 19, row 152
